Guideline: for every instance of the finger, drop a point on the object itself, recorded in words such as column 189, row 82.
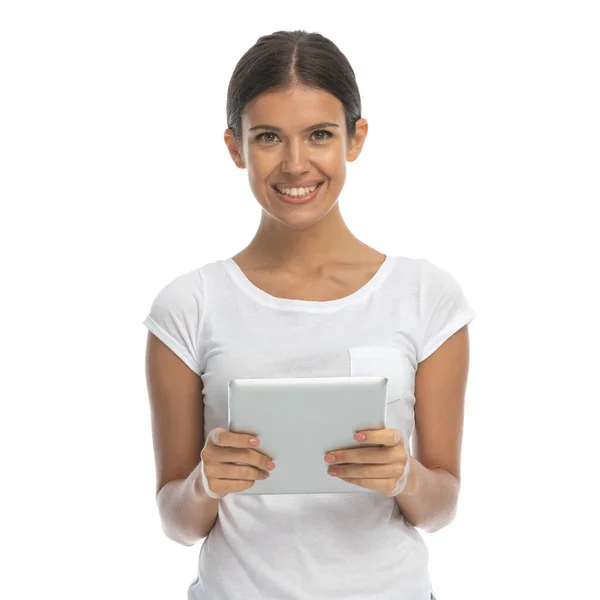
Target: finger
column 219, row 488
column 390, row 486
column 388, row 471
column 206, row 485
column 387, row 437
column 247, row 456
column 383, row 455
column 223, row 437
column 228, row 471
column 383, row 486
column 384, row 437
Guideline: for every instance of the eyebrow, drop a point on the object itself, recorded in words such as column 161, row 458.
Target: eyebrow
column 273, row 128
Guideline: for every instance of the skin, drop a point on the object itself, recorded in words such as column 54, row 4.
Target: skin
column 299, row 240
column 296, row 240
column 303, row 250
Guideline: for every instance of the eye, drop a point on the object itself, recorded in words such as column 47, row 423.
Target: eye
column 328, row 134
column 260, row 136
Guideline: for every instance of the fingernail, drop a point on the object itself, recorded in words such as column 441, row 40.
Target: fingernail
column 254, row 441
column 330, row 458
column 360, row 437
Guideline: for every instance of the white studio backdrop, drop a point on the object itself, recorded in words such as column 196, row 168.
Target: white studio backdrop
column 482, row 156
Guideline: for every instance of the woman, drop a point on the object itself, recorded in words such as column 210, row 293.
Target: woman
column 306, row 298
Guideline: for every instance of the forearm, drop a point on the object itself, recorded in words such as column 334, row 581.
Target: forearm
column 430, row 497
column 187, row 515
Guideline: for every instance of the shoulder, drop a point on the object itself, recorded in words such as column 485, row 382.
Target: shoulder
column 424, row 274
column 180, row 296
column 436, row 280
column 183, row 284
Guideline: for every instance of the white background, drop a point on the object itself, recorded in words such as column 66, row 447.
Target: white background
column 483, row 156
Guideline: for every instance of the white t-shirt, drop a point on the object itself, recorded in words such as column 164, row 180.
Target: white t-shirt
column 310, row 546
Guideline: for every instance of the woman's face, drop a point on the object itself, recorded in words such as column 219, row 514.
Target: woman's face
column 284, row 141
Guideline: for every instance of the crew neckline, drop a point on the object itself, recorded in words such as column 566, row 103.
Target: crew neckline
column 265, row 298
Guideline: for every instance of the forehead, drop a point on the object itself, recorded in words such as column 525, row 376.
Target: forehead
column 293, row 108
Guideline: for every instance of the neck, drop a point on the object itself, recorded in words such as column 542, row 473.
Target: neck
column 328, row 240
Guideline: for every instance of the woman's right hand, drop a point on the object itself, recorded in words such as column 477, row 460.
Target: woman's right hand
column 217, row 475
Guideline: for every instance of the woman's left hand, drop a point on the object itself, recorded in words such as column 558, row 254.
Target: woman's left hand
column 382, row 470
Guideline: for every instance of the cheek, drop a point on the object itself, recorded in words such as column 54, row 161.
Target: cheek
column 261, row 169
column 261, row 165
column 333, row 163
column 258, row 174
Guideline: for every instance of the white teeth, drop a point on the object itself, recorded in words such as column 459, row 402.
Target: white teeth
column 297, row 191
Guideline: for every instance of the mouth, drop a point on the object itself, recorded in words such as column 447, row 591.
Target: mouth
column 299, row 199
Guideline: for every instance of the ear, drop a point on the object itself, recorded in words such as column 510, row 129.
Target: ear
column 355, row 143
column 234, row 149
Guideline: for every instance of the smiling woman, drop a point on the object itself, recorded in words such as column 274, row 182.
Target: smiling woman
column 304, row 102
column 305, row 298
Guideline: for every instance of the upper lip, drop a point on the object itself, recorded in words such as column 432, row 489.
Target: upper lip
column 298, row 184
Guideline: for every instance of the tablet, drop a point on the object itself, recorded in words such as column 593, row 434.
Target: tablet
column 298, row 420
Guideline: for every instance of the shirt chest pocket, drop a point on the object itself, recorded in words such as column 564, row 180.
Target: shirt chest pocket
column 379, row 361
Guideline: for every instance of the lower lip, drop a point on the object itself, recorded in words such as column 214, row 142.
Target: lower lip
column 301, row 200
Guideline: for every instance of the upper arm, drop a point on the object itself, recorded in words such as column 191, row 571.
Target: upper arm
column 440, row 386
column 177, row 412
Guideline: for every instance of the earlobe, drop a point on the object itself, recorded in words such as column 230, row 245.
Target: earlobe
column 233, row 150
column 354, row 150
column 357, row 142
column 238, row 159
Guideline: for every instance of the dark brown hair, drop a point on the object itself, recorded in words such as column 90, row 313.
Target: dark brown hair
column 285, row 58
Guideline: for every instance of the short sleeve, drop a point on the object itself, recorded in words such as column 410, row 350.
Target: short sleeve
column 176, row 318
column 444, row 308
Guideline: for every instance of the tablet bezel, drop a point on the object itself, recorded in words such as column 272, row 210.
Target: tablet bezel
column 298, row 420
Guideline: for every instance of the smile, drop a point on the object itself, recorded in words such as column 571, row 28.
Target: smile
column 298, row 198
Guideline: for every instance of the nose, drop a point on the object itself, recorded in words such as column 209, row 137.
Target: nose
column 296, row 159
